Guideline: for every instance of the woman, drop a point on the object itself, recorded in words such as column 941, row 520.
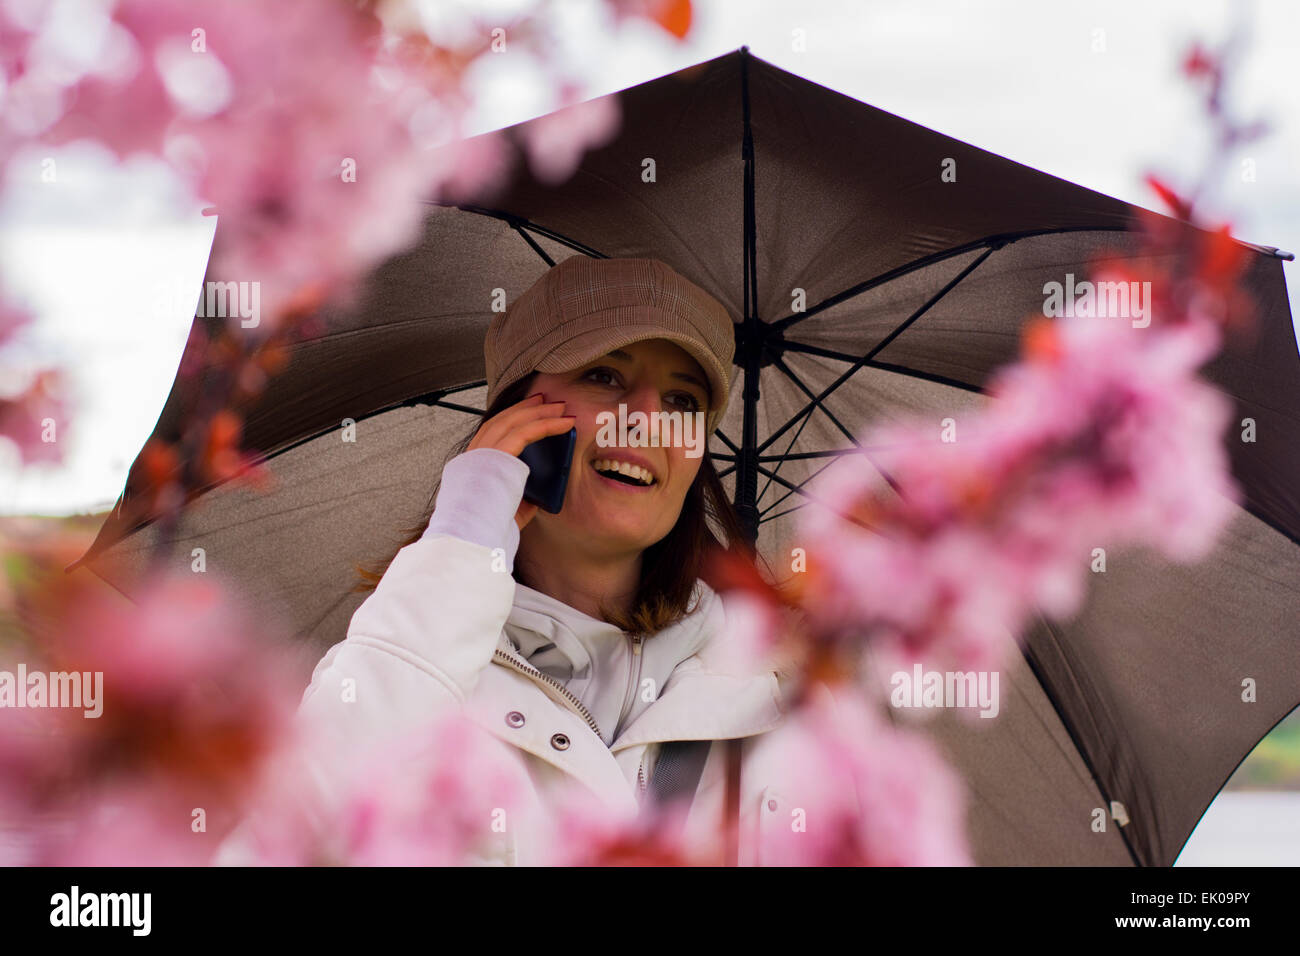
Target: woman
column 585, row 639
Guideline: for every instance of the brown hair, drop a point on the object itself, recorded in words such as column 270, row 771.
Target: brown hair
column 669, row 568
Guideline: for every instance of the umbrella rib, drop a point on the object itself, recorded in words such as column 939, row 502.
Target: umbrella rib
column 882, row 344
column 826, row 453
column 727, row 441
column 776, row 360
column 1068, row 726
column 814, row 498
column 533, row 243
column 748, row 331
column 995, row 241
column 883, row 366
column 435, row 397
column 520, row 222
column 782, row 514
column 746, row 481
column 777, row 503
column 455, row 407
column 780, row 459
column 794, row 438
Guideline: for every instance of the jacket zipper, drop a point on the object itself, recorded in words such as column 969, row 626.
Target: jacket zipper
column 633, row 681
column 523, row 668
column 578, row 707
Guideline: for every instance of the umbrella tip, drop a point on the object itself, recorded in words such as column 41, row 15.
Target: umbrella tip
column 744, row 48
column 1283, row 254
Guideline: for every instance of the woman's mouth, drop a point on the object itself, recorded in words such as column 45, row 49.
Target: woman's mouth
column 624, row 475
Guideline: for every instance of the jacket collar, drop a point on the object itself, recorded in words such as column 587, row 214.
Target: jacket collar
column 701, row 699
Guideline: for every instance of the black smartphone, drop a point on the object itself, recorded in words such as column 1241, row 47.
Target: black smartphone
column 548, row 464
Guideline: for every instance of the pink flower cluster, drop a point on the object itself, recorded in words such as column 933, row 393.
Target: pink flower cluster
column 191, row 700
column 443, row 798
column 859, row 792
column 27, row 412
column 1103, row 438
column 586, row 832
column 308, row 125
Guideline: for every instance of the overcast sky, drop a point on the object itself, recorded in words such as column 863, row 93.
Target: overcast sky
column 108, row 262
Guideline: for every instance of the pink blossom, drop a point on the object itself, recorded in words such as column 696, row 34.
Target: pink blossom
column 445, row 794
column 182, row 628
column 587, row 832
column 36, row 419
column 751, row 636
column 12, row 319
column 1111, row 443
column 557, row 141
column 293, row 119
column 191, row 701
column 859, row 792
column 444, row 798
column 38, row 410
column 303, row 123
column 136, row 821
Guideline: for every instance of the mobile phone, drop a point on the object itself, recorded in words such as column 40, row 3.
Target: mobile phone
column 548, row 462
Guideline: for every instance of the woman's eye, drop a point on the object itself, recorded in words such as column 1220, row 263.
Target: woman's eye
column 603, row 375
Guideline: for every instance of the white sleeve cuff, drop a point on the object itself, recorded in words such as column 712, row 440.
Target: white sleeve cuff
column 478, row 497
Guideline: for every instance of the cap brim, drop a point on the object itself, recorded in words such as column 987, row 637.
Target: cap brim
column 590, row 345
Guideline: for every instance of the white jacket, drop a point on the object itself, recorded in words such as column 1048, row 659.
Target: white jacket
column 436, row 634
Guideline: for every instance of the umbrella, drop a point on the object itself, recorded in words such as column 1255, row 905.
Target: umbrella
column 766, row 187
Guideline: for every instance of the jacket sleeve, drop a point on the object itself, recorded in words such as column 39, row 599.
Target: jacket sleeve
column 432, row 623
column 425, row 633
column 414, row 647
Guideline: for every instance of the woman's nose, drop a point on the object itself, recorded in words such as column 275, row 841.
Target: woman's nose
column 643, row 398
column 646, row 398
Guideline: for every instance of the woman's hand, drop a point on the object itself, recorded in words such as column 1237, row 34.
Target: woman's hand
column 519, row 425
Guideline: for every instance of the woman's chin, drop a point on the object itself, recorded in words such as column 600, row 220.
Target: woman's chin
column 605, row 528
column 611, row 520
column 614, row 537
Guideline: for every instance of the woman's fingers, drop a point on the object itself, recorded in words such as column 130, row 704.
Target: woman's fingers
column 523, row 423
column 530, row 432
column 492, row 429
column 512, row 438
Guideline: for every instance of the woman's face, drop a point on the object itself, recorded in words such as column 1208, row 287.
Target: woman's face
column 650, row 376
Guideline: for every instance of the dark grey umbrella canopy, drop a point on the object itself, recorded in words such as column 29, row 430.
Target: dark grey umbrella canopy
column 916, row 289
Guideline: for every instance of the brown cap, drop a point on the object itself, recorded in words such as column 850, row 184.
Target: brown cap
column 584, row 307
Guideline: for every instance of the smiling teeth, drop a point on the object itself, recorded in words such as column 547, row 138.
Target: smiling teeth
column 623, row 468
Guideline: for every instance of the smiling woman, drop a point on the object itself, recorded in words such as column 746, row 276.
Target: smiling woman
column 660, row 567
column 590, row 340
column 585, row 638
column 620, row 501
